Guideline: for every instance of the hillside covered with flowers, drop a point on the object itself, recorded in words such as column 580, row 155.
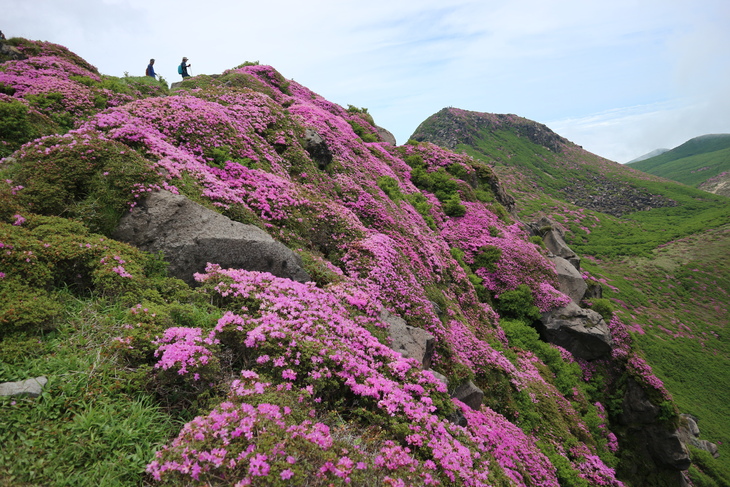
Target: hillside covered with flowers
column 246, row 378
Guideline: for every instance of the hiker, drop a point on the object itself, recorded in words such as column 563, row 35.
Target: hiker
column 150, row 69
column 2, row 36
column 183, row 68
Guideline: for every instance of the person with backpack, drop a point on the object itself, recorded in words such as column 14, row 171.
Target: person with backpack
column 183, row 68
column 150, row 69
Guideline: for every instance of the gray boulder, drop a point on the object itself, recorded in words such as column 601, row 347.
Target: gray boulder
column 570, row 281
column 10, row 53
column 667, row 447
column 317, row 148
column 29, row 387
column 385, row 135
column 469, row 394
column 637, row 409
column 190, row 236
column 409, row 341
column 554, row 238
column 582, row 332
column 689, row 433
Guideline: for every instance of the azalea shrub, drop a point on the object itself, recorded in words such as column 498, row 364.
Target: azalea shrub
column 82, row 176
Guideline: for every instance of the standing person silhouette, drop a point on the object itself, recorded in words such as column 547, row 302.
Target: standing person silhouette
column 151, row 69
column 183, row 68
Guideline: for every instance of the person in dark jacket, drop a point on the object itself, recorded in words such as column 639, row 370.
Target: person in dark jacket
column 184, row 68
column 151, row 69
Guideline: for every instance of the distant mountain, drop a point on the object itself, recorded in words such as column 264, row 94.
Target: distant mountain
column 692, row 163
column 654, row 153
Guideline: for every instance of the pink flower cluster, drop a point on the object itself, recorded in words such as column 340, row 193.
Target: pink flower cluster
column 185, row 350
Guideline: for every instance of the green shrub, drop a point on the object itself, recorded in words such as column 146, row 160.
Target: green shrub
column 81, row 176
column 415, row 160
column 390, row 187
column 603, row 307
column 518, row 303
column 537, row 240
column 26, row 309
column 487, row 257
column 20, row 124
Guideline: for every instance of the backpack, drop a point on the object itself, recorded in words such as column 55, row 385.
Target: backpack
column 179, row 69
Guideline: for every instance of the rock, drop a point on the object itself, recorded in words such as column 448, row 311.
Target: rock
column 569, row 279
column 709, row 447
column 385, row 135
column 689, row 433
column 317, row 148
column 440, row 377
column 594, row 291
column 190, row 236
column 667, row 447
column 553, row 236
column 689, row 426
column 469, row 394
column 10, row 53
column 458, row 418
column 29, row 387
column 409, row 341
column 637, row 409
column 582, row 332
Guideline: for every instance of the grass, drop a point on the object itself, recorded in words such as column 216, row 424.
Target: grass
column 93, row 424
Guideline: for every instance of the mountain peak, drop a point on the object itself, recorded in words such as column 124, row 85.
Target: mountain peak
column 451, row 126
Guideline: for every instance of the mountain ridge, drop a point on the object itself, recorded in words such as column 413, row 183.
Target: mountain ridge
column 694, row 162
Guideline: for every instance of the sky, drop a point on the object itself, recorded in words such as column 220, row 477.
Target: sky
column 620, row 78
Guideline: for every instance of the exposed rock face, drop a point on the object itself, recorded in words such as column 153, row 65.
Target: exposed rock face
column 553, row 236
column 10, row 53
column 317, row 148
column 664, row 445
column 616, row 198
column 385, row 135
column 569, row 279
column 409, row 341
column 29, row 387
column 689, row 433
column 469, row 394
column 637, row 408
column 452, row 126
column 190, row 236
column 720, row 184
column 667, row 448
column 582, row 332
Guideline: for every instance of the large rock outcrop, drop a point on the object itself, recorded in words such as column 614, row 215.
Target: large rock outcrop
column 553, row 236
column 689, row 433
column 409, row 341
column 190, row 236
column 662, row 443
column 570, row 282
column 582, row 332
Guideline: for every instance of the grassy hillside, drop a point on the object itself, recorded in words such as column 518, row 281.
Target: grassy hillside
column 693, row 162
column 659, row 248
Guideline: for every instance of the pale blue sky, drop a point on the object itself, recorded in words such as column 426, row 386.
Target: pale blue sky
column 620, row 78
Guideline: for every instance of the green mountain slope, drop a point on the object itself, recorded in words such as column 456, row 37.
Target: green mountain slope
column 660, row 249
column 693, row 162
